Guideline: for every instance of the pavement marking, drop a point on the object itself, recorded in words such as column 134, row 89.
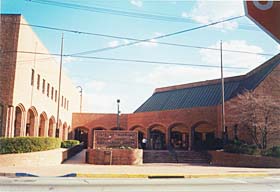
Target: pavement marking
column 234, row 180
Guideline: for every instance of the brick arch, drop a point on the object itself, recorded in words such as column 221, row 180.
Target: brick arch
column 157, row 127
column 82, row 137
column 32, row 122
column 202, row 132
column 197, row 124
column 43, row 124
column 140, row 129
column 179, row 135
column 51, row 127
column 20, row 114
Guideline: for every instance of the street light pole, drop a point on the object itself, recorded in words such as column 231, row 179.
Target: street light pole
column 81, row 98
column 59, row 88
column 118, row 114
column 223, row 95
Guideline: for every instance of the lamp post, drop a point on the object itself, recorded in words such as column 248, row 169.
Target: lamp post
column 81, row 98
column 118, row 114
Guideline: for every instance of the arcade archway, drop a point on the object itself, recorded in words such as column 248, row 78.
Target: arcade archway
column 31, row 122
column 157, row 137
column 142, row 134
column 203, row 135
column 179, row 136
column 51, row 127
column 43, row 124
column 19, row 120
column 81, row 134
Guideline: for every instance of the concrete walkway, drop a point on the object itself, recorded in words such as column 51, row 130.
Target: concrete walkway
column 77, row 165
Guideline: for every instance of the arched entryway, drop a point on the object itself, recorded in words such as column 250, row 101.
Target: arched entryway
column 142, row 133
column 81, row 134
column 43, row 124
column 58, row 129
column 64, row 131
column 179, row 136
column 157, row 137
column 51, row 128
column 19, row 120
column 203, row 135
column 31, row 122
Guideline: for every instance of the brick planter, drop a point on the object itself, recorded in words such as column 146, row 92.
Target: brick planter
column 114, row 156
column 221, row 158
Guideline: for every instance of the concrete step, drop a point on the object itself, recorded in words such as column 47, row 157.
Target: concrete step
column 164, row 156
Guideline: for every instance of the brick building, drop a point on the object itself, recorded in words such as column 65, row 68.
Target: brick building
column 29, row 85
column 188, row 115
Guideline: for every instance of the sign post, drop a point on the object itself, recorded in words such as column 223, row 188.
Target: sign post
column 266, row 14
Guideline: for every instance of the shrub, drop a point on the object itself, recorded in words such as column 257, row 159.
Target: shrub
column 237, row 146
column 69, row 143
column 28, row 144
column 272, row 152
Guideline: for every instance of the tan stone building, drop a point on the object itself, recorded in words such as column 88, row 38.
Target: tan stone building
column 29, row 85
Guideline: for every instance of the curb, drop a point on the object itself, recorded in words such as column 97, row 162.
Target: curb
column 149, row 176
column 170, row 176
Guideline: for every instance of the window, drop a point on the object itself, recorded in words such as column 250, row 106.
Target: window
column 48, row 90
column 52, row 93
column 32, row 77
column 38, row 81
column 55, row 96
column 65, row 103
column 62, row 101
column 44, row 86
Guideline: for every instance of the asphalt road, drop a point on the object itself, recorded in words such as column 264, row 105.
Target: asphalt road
column 238, row 184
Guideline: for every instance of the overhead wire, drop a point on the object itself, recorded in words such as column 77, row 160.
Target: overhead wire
column 130, row 60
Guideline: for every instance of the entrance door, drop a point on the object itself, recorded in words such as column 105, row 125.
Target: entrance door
column 179, row 140
column 82, row 136
column 157, row 140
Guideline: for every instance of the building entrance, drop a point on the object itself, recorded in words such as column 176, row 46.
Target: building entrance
column 81, row 134
column 157, row 140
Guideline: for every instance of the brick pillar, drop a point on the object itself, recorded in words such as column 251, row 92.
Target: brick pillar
column 10, row 122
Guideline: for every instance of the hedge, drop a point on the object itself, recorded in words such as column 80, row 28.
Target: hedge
column 69, row 143
column 272, row 152
column 28, row 144
column 237, row 146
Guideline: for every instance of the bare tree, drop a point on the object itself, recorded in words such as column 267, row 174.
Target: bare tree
column 259, row 115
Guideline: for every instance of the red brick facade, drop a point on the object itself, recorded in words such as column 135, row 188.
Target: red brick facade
column 187, row 121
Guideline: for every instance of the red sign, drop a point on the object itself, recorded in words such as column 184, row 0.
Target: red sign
column 266, row 14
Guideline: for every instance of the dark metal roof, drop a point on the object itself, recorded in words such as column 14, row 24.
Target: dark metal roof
column 209, row 94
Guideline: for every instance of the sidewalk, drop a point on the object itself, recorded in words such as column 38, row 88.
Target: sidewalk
column 76, row 165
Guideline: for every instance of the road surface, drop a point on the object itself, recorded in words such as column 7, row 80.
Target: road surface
column 236, row 184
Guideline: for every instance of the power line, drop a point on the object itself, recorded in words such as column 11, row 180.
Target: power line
column 158, row 37
column 140, row 15
column 129, row 60
column 133, row 39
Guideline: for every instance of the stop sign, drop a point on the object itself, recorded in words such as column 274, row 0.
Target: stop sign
column 266, row 14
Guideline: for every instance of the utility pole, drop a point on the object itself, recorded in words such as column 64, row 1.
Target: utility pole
column 59, row 88
column 118, row 114
column 81, row 98
column 223, row 94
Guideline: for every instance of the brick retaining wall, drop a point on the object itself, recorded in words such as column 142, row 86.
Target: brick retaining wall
column 41, row 158
column 221, row 158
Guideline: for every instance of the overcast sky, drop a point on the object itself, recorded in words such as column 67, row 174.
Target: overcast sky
column 104, row 82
